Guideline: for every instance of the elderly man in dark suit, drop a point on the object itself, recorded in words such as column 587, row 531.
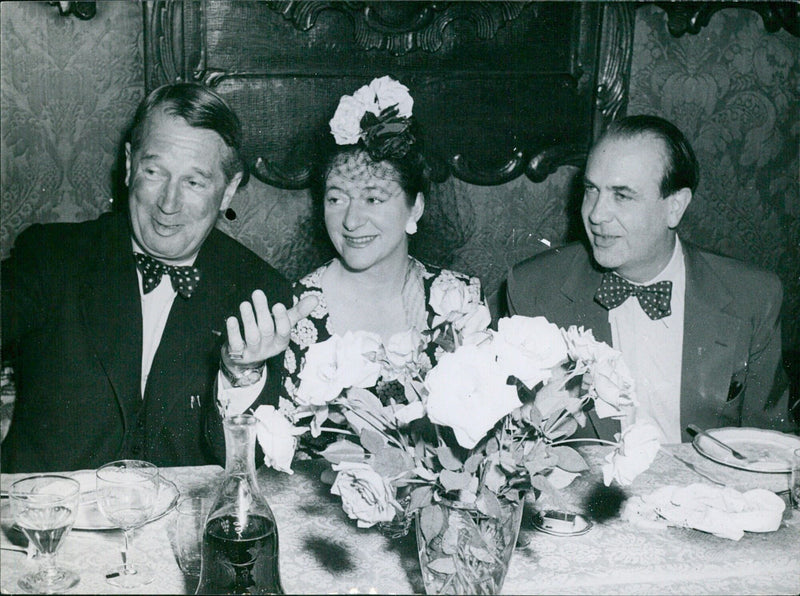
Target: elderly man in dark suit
column 700, row 332
column 115, row 326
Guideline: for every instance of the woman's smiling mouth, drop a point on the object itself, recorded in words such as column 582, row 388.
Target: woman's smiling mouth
column 358, row 241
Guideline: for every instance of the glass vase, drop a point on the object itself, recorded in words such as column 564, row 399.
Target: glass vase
column 239, row 553
column 463, row 551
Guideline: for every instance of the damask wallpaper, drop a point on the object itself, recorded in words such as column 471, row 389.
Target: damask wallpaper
column 70, row 86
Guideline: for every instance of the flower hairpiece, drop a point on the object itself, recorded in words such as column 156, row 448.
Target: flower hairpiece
column 379, row 114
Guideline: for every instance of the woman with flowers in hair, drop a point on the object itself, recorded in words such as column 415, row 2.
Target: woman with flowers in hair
column 373, row 293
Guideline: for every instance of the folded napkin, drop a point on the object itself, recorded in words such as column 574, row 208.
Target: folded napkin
column 722, row 511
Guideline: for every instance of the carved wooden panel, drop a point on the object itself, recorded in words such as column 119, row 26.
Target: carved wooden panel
column 501, row 89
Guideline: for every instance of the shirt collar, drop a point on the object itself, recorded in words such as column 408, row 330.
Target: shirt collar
column 183, row 263
column 672, row 269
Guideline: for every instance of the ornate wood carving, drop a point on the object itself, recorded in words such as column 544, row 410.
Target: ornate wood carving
column 398, row 27
column 616, row 50
column 502, row 89
column 82, row 10
column 691, row 17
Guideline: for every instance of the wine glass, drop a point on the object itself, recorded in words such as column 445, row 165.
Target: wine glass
column 45, row 507
column 127, row 491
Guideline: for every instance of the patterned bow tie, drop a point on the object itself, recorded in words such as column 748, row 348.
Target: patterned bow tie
column 654, row 299
column 184, row 279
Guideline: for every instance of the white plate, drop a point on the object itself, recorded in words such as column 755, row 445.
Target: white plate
column 90, row 517
column 766, row 450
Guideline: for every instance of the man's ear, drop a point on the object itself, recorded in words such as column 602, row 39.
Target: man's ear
column 678, row 203
column 128, row 165
column 230, row 190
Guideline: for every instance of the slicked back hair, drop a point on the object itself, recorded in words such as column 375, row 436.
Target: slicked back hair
column 681, row 169
column 200, row 108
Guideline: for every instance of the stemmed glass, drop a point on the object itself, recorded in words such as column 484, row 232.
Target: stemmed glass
column 127, row 491
column 45, row 507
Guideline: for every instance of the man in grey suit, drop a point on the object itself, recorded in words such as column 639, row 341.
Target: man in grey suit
column 700, row 332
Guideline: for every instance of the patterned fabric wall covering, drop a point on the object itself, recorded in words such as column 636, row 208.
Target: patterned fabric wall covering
column 70, row 86
column 732, row 89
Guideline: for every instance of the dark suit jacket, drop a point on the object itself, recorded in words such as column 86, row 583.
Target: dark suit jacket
column 72, row 326
column 731, row 374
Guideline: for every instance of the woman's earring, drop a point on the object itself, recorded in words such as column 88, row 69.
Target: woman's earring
column 230, row 214
column 411, row 227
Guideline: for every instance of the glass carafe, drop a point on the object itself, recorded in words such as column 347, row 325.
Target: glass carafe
column 240, row 541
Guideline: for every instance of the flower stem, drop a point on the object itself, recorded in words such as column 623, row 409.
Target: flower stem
column 337, row 431
column 588, row 440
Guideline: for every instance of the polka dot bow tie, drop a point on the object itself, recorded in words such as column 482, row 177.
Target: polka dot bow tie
column 184, row 279
column 654, row 299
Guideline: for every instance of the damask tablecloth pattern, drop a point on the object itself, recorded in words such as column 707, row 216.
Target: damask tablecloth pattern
column 321, row 551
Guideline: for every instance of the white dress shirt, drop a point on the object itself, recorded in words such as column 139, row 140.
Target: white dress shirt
column 653, row 351
column 156, row 305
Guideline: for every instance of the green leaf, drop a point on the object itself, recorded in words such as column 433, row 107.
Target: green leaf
column 454, row 480
column 481, row 554
column 493, row 478
column 340, row 451
column 447, row 458
column 566, row 428
column 443, row 565
column 569, row 459
column 420, row 497
column 365, row 402
column 390, row 462
column 412, row 390
column 431, row 521
column 555, row 497
column 488, row 504
column 372, row 441
column 539, row 459
column 473, row 462
column 450, row 539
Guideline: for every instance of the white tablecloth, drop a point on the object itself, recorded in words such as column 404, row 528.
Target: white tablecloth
column 321, row 551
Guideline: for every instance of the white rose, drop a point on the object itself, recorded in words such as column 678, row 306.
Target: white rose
column 474, row 321
column 366, row 496
column 467, row 393
column 450, row 298
column 402, row 352
column 389, row 93
column 366, row 97
column 277, row 437
column 529, row 347
column 346, row 122
column 583, row 347
column 336, row 364
column 611, row 386
column 358, row 358
column 637, row 448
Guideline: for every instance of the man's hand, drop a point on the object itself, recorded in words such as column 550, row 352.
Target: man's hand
column 265, row 334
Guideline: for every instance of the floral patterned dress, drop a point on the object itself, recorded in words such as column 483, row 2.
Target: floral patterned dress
column 445, row 291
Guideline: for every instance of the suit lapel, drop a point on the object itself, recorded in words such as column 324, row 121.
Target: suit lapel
column 112, row 313
column 580, row 287
column 709, row 340
column 184, row 363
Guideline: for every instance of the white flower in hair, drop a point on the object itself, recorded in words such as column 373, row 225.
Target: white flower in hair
column 389, row 92
column 346, row 122
column 376, row 97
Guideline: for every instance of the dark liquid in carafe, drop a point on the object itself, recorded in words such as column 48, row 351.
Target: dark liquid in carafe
column 240, row 559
